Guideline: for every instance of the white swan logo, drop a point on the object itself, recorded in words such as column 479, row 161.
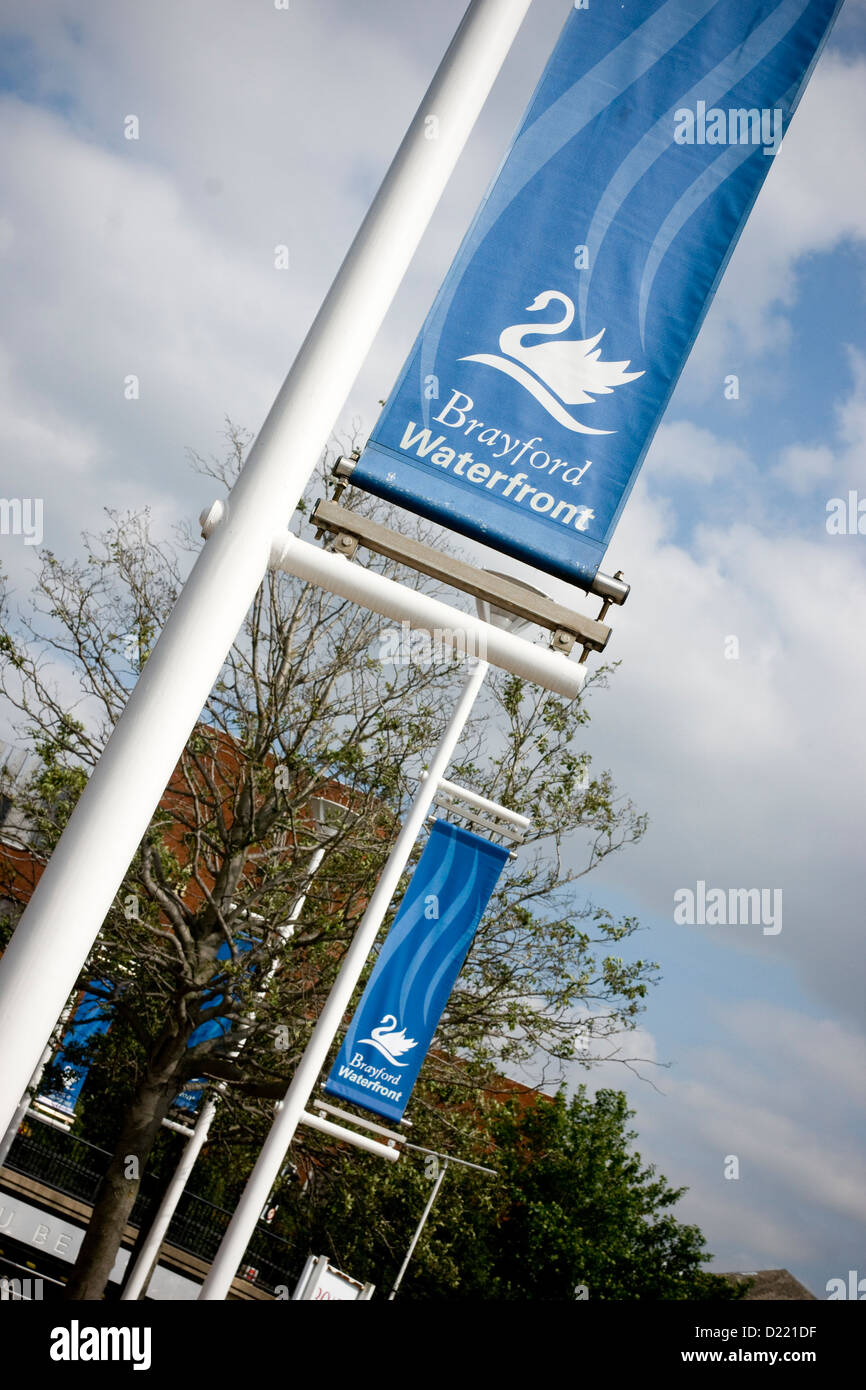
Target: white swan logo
column 389, row 1042
column 557, row 374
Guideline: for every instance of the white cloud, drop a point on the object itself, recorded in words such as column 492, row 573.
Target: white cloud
column 802, row 467
column 155, row 257
column 751, row 768
column 682, row 449
column 775, row 1090
column 815, row 1168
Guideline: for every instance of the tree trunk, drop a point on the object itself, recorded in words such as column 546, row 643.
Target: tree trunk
column 122, row 1181
column 157, row 1193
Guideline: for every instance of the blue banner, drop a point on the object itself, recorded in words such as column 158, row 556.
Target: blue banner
column 189, row 1099
column 544, row 367
column 393, row 1026
column 91, row 1019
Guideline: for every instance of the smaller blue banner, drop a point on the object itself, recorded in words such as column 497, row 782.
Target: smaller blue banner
column 90, row 1019
column 189, row 1099
column 388, row 1038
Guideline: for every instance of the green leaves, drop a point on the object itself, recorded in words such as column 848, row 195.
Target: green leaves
column 579, row 1208
column 569, row 1203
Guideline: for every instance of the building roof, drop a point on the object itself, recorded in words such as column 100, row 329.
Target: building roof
column 771, row 1284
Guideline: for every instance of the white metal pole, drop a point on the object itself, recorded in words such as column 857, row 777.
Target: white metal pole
column 419, row 1228
column 50, row 945
column 288, row 926
column 270, row 1160
column 150, row 1249
column 474, row 635
column 136, row 1285
column 30, row 1093
column 24, row 1105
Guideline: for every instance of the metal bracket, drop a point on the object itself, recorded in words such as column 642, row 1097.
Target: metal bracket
column 508, row 594
column 350, row 1136
column 449, row 795
column 446, row 804
column 467, row 633
column 346, row 545
column 611, row 588
column 361, row 1120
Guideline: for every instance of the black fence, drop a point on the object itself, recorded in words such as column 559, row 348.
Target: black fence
column 76, row 1168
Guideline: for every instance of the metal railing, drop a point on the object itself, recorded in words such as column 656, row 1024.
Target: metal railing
column 68, row 1164
column 75, row 1167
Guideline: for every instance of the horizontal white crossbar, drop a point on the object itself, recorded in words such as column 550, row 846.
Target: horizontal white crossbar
column 178, row 1128
column 349, row 1136
column 452, row 626
column 481, row 802
column 358, row 1120
column 449, row 1158
column 50, row 1120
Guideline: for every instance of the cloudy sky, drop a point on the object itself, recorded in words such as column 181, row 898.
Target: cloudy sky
column 154, row 257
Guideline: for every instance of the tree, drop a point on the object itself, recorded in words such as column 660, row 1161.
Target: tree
column 305, row 707
column 570, row 1213
column 582, row 1212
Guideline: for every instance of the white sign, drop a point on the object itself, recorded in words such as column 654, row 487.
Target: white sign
column 46, row 1231
column 321, row 1281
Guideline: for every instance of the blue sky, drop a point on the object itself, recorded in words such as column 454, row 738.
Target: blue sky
column 155, row 257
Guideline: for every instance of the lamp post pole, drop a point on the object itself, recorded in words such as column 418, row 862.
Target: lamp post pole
column 50, row 945
column 30, row 1093
column 136, row 1285
column 446, row 1160
column 419, row 1228
column 270, row 1160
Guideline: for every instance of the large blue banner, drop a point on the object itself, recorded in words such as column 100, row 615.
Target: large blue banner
column 393, row 1026
column 533, row 391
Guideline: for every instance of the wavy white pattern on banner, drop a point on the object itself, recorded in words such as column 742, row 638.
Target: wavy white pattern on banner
column 454, row 910
column 710, row 88
column 702, row 189
column 567, row 116
column 457, row 951
column 406, row 921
